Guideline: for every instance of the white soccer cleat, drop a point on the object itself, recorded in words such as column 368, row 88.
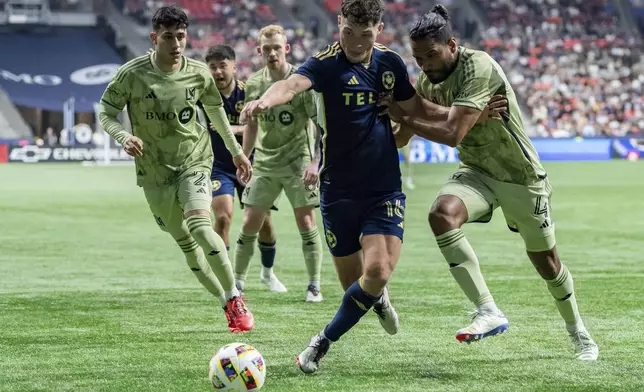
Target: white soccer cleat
column 313, row 294
column 309, row 359
column 483, row 325
column 387, row 315
column 273, row 284
column 585, row 347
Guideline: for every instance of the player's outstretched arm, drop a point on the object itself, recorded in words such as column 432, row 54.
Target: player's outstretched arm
column 278, row 94
column 419, row 107
column 451, row 132
column 310, row 175
column 217, row 116
column 250, row 136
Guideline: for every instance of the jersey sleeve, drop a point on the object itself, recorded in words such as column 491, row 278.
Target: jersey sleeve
column 419, row 85
column 479, row 83
column 114, row 99
column 309, row 105
column 249, row 91
column 211, row 97
column 403, row 90
column 116, row 94
column 315, row 69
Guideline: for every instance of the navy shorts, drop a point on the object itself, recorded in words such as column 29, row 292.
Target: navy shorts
column 225, row 183
column 346, row 220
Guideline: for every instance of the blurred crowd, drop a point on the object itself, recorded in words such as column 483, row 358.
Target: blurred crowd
column 577, row 75
column 236, row 23
column 573, row 71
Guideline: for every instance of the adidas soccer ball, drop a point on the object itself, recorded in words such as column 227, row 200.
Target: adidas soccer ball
column 237, row 367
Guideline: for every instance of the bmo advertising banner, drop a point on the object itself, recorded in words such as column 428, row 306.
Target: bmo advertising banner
column 45, row 70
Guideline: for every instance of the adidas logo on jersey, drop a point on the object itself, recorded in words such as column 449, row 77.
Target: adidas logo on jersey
column 353, row 81
column 152, row 95
column 545, row 224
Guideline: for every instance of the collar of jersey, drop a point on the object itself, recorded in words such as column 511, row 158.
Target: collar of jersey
column 170, row 75
column 267, row 74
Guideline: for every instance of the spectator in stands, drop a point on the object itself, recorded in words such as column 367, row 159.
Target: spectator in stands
column 574, row 72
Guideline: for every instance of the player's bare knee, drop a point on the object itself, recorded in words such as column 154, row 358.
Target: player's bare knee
column 546, row 263
column 305, row 218
column 223, row 222
column 447, row 213
column 378, row 273
column 253, row 219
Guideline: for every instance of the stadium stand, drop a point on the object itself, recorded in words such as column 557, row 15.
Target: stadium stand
column 574, row 69
column 236, row 23
column 579, row 74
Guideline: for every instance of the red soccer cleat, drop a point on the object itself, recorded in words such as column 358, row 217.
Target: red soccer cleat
column 231, row 322
column 239, row 315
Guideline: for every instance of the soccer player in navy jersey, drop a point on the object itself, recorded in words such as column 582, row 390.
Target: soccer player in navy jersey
column 221, row 61
column 361, row 200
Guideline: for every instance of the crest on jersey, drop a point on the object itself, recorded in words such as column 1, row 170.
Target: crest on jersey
column 388, row 80
column 185, row 115
column 191, row 93
column 216, row 184
column 330, row 238
column 286, row 117
column 239, row 106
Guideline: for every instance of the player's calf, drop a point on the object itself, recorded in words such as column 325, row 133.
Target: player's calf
column 380, row 258
column 446, row 217
column 199, row 225
column 311, row 249
column 561, row 286
column 222, row 225
column 245, row 249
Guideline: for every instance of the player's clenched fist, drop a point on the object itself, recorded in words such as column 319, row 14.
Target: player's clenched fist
column 496, row 106
column 310, row 175
column 244, row 168
column 133, row 146
column 252, row 109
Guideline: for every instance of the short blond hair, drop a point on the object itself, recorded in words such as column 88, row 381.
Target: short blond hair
column 271, row 30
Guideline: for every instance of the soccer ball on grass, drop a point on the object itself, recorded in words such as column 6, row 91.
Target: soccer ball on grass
column 237, row 367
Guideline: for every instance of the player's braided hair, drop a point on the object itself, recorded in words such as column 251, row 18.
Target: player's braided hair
column 220, row 52
column 363, row 12
column 169, row 17
column 433, row 25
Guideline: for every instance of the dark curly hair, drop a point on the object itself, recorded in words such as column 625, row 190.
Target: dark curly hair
column 363, row 12
column 169, row 17
column 220, row 52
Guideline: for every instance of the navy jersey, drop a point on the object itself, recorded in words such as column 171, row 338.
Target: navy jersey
column 359, row 154
column 233, row 106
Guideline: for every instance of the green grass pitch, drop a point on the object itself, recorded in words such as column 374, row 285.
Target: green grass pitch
column 94, row 297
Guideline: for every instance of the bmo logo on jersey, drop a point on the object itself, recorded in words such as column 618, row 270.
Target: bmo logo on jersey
column 184, row 116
